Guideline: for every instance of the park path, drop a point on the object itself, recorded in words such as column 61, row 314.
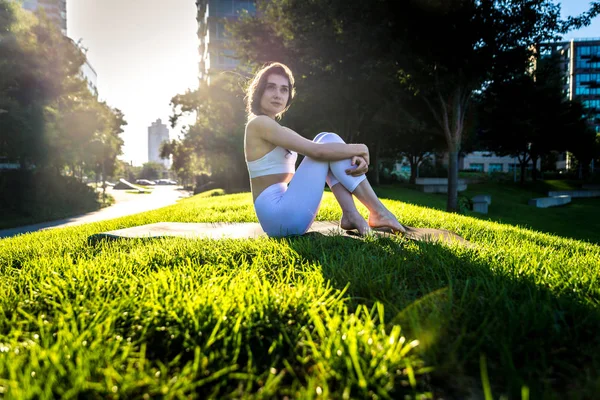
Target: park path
column 125, row 204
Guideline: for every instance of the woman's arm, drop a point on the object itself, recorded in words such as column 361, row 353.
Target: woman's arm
column 269, row 130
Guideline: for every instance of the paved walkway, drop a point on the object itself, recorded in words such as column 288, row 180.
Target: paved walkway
column 125, row 204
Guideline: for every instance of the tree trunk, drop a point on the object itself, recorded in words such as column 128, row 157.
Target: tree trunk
column 523, row 170
column 413, row 171
column 452, row 205
column 534, row 171
column 450, row 115
column 375, row 169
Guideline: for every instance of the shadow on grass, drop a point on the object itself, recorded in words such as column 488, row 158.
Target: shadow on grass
column 459, row 307
column 577, row 220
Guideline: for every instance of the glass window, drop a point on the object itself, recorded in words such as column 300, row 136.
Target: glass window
column 495, row 167
column 225, row 59
column 220, row 8
column 221, row 31
column 476, row 167
column 225, row 7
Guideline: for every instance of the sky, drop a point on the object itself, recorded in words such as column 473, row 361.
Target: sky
column 146, row 51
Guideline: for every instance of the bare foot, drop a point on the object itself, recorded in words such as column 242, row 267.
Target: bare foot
column 352, row 221
column 385, row 220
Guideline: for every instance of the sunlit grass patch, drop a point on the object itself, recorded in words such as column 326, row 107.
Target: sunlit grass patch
column 303, row 317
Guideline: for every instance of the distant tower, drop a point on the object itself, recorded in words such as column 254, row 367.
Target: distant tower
column 56, row 10
column 157, row 133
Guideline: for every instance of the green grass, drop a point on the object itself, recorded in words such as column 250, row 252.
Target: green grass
column 138, row 191
column 308, row 317
column 577, row 220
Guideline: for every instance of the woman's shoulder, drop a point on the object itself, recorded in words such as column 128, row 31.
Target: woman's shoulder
column 260, row 122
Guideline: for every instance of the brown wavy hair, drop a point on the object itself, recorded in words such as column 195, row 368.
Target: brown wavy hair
column 257, row 86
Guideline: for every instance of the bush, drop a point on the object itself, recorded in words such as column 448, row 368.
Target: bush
column 44, row 195
column 427, row 169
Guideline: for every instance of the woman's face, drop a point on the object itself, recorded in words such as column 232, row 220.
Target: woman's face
column 275, row 96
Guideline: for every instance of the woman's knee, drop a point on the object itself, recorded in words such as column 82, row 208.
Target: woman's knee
column 328, row 137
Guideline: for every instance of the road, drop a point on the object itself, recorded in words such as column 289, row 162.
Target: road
column 125, row 204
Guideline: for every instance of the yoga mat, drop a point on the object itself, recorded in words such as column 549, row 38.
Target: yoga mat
column 246, row 230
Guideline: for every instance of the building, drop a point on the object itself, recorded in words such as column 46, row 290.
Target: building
column 579, row 61
column 484, row 161
column 56, row 10
column 214, row 56
column 157, row 133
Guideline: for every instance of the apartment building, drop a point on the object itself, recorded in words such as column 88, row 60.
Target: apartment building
column 579, row 61
column 211, row 17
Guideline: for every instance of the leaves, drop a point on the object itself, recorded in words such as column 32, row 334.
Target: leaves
column 50, row 118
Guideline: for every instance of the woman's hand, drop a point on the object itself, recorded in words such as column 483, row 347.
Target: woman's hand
column 361, row 151
column 362, row 167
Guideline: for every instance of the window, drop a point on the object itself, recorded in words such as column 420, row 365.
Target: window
column 225, row 59
column 221, row 32
column 495, row 167
column 476, row 167
column 220, row 8
column 512, row 167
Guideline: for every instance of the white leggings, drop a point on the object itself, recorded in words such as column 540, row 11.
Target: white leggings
column 290, row 209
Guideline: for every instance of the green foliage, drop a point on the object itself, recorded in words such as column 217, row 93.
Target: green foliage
column 214, row 143
column 307, row 317
column 353, row 59
column 40, row 196
column 151, row 171
column 533, row 123
column 49, row 118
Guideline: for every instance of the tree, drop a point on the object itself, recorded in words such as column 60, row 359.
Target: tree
column 24, row 86
column 341, row 86
column 151, row 171
column 185, row 162
column 408, row 129
column 528, row 117
column 483, row 41
column 579, row 137
column 364, row 44
column 217, row 135
column 49, row 117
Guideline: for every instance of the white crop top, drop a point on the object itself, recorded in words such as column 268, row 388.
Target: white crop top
column 277, row 161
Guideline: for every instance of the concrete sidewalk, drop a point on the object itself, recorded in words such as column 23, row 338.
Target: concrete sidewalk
column 125, row 204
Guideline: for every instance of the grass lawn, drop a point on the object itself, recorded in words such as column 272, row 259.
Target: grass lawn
column 579, row 219
column 307, row 317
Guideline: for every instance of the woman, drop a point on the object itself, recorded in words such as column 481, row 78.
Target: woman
column 286, row 200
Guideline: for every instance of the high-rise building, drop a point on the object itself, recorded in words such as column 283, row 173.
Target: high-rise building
column 157, row 133
column 56, row 10
column 211, row 16
column 579, row 61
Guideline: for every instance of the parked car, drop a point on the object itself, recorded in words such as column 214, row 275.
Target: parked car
column 145, row 182
column 166, row 182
